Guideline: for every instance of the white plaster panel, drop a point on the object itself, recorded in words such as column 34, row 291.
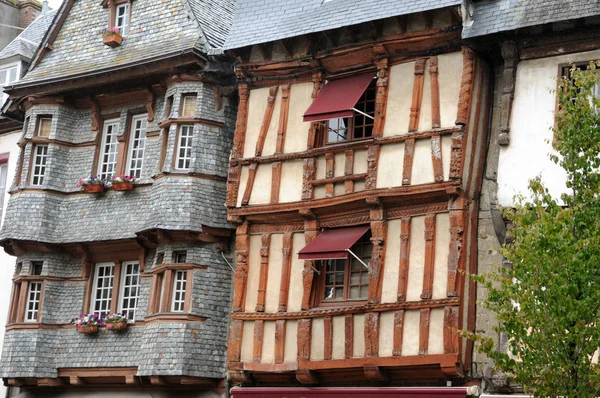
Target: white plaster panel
column 274, row 274
column 436, row 331
column 442, row 249
column 446, row 153
column 359, row 335
column 360, row 162
column 257, row 104
column 243, row 183
column 359, row 186
column 450, row 68
column 268, row 348
column 296, row 290
column 261, row 190
column 391, row 161
column 290, row 352
column 422, row 170
column 296, row 135
column 253, row 273
column 389, row 289
column 339, row 189
column 425, row 113
column 321, row 168
column 319, row 192
column 247, row 349
column 530, row 127
column 290, row 189
column 410, row 336
column 317, row 342
column 416, row 259
column 339, row 161
column 271, row 137
column 386, row 334
column 338, row 347
column 400, row 86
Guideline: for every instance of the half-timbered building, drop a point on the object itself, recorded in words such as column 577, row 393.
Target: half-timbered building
column 354, row 182
column 154, row 105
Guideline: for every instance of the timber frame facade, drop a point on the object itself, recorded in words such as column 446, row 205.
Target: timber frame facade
column 414, row 182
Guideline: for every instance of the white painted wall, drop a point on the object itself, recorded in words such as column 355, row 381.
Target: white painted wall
column 8, row 143
column 531, row 122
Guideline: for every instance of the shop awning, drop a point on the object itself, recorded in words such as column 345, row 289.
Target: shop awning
column 338, row 98
column 332, row 243
column 447, row 392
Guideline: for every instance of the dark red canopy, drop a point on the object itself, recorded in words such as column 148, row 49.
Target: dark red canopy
column 337, row 98
column 332, row 243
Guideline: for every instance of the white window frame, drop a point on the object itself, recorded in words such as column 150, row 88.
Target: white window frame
column 7, row 81
column 37, row 178
column 31, row 314
column 137, row 136
column 108, row 148
column 187, row 157
column 3, row 178
column 124, row 274
column 124, row 26
column 179, row 286
column 95, row 288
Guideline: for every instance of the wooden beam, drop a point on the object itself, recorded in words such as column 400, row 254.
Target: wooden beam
column 132, row 380
column 76, row 381
column 306, row 376
column 348, row 171
column 377, row 262
column 451, row 332
column 381, row 97
column 349, row 336
column 234, row 342
column 317, row 80
column 372, row 334
column 328, row 337
column 435, row 93
column 424, row 331
column 375, row 373
column 264, row 272
column 417, row 96
column 275, row 182
column 239, row 136
column 409, row 149
column 436, row 158
column 158, row 381
column 283, row 117
column 404, row 258
column 372, row 161
column 259, row 329
column 429, row 260
column 249, row 183
column 510, row 54
column 308, row 175
column 398, row 332
column 50, row 382
column 310, row 233
column 329, row 173
column 242, row 243
column 304, row 339
column 455, row 255
column 465, row 98
column 264, row 127
column 286, row 271
column 456, row 156
column 286, row 44
column 280, row 340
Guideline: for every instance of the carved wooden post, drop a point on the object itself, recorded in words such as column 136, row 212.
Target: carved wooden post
column 409, row 149
column 398, row 332
column 404, row 257
column 417, row 98
column 429, row 257
column 456, row 156
column 372, row 334
column 279, row 340
column 466, row 87
column 264, row 127
column 283, row 118
column 304, row 339
column 308, row 175
column 436, row 158
column 285, row 271
column 435, row 93
column 310, row 232
column 259, row 329
column 424, row 331
column 242, row 242
column 510, row 54
column 451, row 337
column 455, row 256
column 234, row 344
column 329, row 173
column 317, row 79
column 372, row 160
column 239, row 136
column 381, row 97
column 349, row 170
column 264, row 272
column 376, row 264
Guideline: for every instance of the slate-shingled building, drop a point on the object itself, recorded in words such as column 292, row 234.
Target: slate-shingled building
column 354, row 183
column 159, row 107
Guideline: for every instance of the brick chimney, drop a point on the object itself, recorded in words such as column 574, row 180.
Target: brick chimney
column 29, row 10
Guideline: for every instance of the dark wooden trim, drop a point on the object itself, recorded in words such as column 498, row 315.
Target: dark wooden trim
column 466, row 87
column 377, row 263
column 436, row 158
column 308, row 175
column 241, row 123
column 311, row 228
column 409, row 149
column 234, row 342
column 329, row 174
column 398, row 332
column 264, row 127
column 114, row 302
column 286, row 271
column 283, row 118
column 429, row 261
column 334, row 180
column 167, row 291
column 264, row 272
column 328, row 337
column 43, row 140
column 304, row 339
column 349, row 171
column 275, row 181
column 394, row 361
column 424, row 331
column 435, row 92
column 372, row 334
column 190, row 174
column 417, row 95
column 242, row 242
column 174, row 317
column 405, row 228
column 349, row 336
column 280, row 340
column 318, row 82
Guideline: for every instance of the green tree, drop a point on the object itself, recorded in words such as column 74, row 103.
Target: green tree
column 547, row 300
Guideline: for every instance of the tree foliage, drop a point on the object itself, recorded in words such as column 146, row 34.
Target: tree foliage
column 547, row 300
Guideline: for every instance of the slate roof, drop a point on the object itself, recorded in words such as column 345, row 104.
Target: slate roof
column 261, row 21
column 157, row 29
column 28, row 41
column 492, row 16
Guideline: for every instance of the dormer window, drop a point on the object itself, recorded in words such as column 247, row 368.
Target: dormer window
column 345, row 108
column 122, row 18
column 8, row 75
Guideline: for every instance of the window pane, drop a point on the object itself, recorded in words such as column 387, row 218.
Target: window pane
column 109, row 149
column 45, row 125
column 189, row 106
column 130, row 288
column 103, row 288
column 137, row 145
column 184, row 150
column 179, row 285
column 39, row 164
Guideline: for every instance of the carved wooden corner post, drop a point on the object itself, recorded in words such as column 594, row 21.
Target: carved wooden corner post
column 234, row 344
column 455, row 256
column 304, row 376
column 510, row 54
column 466, row 87
column 233, row 182
column 235, row 169
column 378, row 237
column 317, row 79
column 242, row 242
column 311, row 228
column 451, row 337
column 264, row 272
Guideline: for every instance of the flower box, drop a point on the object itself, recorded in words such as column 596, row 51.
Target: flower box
column 113, row 40
column 88, row 329
column 93, row 188
column 122, row 186
column 117, row 326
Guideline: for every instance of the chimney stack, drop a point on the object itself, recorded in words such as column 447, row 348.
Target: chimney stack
column 45, row 7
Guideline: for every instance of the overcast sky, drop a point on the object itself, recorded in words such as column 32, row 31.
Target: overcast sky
column 55, row 3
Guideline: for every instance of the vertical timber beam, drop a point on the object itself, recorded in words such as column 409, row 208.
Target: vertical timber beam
column 381, row 97
column 279, row 340
column 249, row 183
column 283, row 118
column 510, row 54
column 264, row 127
column 371, row 334
column 317, row 79
column 417, row 97
column 264, row 272
column 376, row 264
column 429, row 257
column 372, row 162
column 398, row 332
column 310, row 232
column 234, row 343
column 349, row 336
column 424, row 331
column 242, row 242
column 235, row 169
column 404, row 258
column 409, row 149
column 451, row 330
column 285, row 271
column 308, row 175
column 329, row 173
column 275, row 182
column 328, row 337
column 436, row 158
column 349, row 170
column 304, row 339
column 455, row 256
column 466, row 87
column 259, row 329
column 435, row 93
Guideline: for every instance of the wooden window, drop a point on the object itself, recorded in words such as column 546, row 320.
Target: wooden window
column 137, row 145
column 40, row 156
column 122, row 15
column 102, row 289
column 3, row 177
column 8, row 75
column 179, row 256
column 36, row 267
column 33, row 301
column 343, row 280
column 44, row 127
column 179, row 288
column 188, row 106
column 184, row 148
column 357, row 127
column 130, row 288
column 109, row 149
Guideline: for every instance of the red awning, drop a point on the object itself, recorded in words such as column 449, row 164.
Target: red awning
column 337, row 98
column 433, row 392
column 333, row 243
